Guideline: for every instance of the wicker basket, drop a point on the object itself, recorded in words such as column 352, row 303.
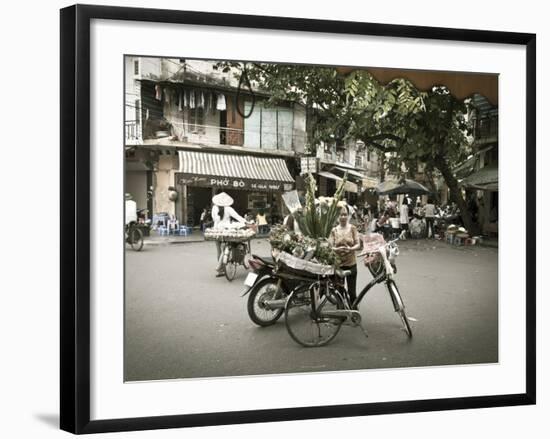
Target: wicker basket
column 304, row 266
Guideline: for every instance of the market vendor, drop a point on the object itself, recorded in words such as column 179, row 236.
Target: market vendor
column 344, row 238
column 222, row 214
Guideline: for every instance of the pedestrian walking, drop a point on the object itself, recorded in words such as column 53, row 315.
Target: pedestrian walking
column 429, row 214
column 222, row 214
column 261, row 220
column 404, row 218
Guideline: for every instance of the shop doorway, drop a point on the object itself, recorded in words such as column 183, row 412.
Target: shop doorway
column 198, row 198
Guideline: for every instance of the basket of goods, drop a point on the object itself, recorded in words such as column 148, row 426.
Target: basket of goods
column 303, row 254
column 309, row 252
column 229, row 234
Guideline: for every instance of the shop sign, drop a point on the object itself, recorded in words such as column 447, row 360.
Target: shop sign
column 308, row 165
column 231, row 183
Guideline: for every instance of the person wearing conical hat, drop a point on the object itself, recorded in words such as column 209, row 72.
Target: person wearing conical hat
column 222, row 214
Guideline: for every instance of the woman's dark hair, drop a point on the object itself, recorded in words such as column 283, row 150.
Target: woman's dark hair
column 221, row 211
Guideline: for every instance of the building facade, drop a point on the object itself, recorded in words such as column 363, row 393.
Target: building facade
column 480, row 172
column 190, row 132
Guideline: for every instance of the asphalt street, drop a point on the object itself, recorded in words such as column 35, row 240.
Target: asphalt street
column 182, row 322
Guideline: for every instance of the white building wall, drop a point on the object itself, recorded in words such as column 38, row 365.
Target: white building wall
column 299, row 137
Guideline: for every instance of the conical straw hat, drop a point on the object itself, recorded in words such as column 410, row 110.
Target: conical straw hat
column 222, row 199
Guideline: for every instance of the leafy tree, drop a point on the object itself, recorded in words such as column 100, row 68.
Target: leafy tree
column 406, row 125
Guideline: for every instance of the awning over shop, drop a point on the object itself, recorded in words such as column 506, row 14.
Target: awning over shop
column 350, row 172
column 484, row 179
column 348, row 185
column 369, row 183
column 467, row 166
column 233, row 171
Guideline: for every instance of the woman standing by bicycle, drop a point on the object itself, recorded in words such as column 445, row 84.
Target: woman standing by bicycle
column 345, row 240
column 222, row 213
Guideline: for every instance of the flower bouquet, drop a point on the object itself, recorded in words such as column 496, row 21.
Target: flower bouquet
column 310, row 251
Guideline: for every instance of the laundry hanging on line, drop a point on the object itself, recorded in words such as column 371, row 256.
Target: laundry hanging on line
column 200, row 103
column 158, row 92
column 221, row 105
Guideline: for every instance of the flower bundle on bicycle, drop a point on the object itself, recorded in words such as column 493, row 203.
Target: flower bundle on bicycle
column 310, row 249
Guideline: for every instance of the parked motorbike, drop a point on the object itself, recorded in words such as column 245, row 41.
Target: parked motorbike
column 268, row 286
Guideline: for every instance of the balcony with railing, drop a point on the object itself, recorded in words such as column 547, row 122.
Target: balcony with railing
column 132, row 133
column 486, row 130
column 176, row 134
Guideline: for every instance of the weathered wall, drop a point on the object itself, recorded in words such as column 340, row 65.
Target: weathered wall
column 136, row 185
column 163, row 178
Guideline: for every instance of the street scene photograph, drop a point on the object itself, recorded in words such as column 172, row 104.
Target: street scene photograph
column 295, row 218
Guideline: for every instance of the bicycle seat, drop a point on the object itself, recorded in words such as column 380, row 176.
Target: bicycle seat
column 343, row 273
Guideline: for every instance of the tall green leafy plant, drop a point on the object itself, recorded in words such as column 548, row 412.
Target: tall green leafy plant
column 316, row 220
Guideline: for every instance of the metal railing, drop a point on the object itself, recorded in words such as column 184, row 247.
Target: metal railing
column 214, row 135
column 132, row 131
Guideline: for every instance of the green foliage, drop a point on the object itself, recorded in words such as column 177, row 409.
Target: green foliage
column 301, row 246
column 318, row 217
column 396, row 118
column 405, row 125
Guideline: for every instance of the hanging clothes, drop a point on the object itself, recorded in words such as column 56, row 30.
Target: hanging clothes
column 185, row 99
column 200, row 103
column 192, row 99
column 158, row 92
column 147, row 114
column 180, row 101
column 220, row 105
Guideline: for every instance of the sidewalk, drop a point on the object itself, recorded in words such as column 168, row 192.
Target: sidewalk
column 196, row 236
column 156, row 239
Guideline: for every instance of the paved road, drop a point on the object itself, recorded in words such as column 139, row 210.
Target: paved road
column 183, row 322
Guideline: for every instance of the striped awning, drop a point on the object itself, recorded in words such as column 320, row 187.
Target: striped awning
column 263, row 169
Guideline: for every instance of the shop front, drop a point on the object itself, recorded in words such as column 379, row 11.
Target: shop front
column 254, row 183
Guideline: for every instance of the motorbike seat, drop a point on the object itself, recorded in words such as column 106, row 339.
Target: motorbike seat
column 267, row 260
column 343, row 273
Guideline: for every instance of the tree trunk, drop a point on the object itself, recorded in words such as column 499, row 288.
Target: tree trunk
column 432, row 187
column 456, row 195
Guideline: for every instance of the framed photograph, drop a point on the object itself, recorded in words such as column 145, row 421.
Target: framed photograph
column 275, row 218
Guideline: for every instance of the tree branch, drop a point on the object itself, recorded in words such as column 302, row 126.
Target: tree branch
column 385, row 136
column 380, row 146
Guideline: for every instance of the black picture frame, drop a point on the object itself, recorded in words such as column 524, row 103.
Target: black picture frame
column 75, row 217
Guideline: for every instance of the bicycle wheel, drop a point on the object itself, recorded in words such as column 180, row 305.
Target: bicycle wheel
column 266, row 289
column 399, row 307
column 308, row 327
column 230, row 267
column 136, row 238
